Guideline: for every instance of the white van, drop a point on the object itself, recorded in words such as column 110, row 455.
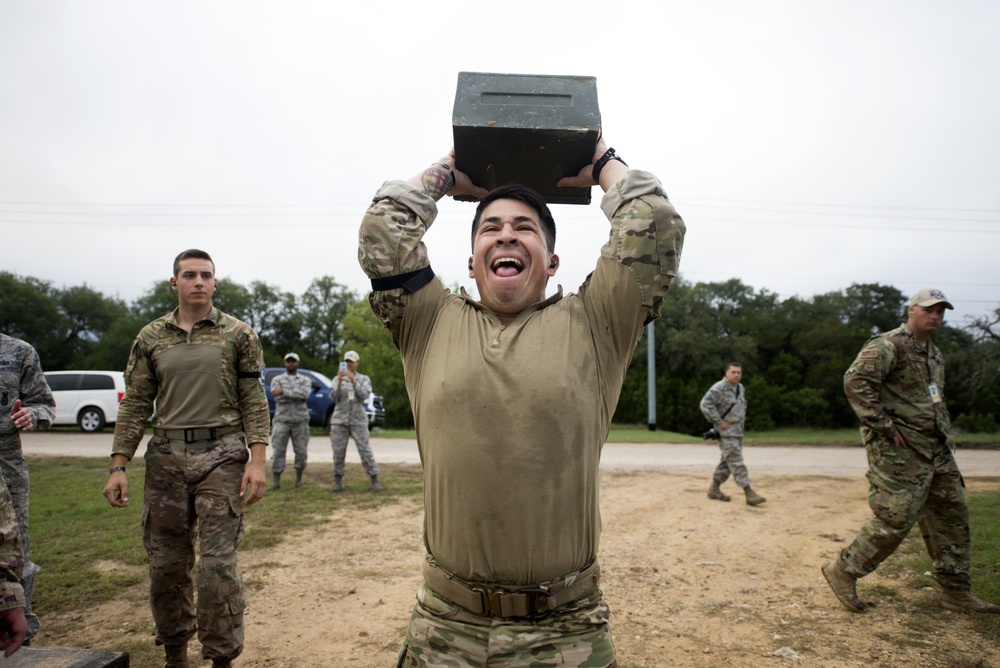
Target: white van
column 86, row 398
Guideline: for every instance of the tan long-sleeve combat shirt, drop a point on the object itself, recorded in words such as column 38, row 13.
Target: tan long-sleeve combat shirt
column 511, row 419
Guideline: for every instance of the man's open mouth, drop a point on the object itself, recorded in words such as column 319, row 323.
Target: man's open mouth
column 507, row 266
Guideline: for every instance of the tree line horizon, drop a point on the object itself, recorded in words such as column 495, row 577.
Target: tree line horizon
column 794, row 351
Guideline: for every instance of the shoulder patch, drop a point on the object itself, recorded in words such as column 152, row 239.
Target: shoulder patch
column 868, row 353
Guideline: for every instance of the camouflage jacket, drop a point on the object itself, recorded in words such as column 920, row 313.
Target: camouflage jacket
column 21, row 378
column 11, row 557
column 210, row 377
column 722, row 397
column 290, row 405
column 889, row 387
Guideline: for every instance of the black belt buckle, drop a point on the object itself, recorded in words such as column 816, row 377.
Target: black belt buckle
column 536, row 596
column 190, row 435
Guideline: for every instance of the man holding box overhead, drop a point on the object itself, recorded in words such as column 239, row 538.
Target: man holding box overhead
column 512, row 520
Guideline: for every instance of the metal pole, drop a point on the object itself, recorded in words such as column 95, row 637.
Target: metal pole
column 651, row 375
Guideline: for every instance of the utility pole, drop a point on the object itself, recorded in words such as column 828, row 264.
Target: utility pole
column 651, row 376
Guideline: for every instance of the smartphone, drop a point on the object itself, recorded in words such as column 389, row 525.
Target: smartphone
column 343, row 366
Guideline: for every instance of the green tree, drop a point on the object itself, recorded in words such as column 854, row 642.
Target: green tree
column 29, row 310
column 324, row 305
column 273, row 314
column 88, row 315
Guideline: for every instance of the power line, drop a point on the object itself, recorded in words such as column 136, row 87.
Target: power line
column 852, row 215
column 844, row 206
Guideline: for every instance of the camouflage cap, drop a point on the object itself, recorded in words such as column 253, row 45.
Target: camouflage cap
column 351, row 356
column 291, row 356
column 930, row 297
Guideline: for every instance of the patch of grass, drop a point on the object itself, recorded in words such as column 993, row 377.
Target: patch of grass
column 74, row 530
column 89, row 551
column 984, row 522
column 289, row 509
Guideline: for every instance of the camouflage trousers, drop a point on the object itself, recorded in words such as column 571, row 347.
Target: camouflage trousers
column 907, row 488
column 731, row 462
column 15, row 474
column 280, row 433
column 339, row 434
column 193, row 492
column 442, row 634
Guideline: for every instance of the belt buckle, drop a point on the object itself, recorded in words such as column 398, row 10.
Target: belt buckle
column 191, row 435
column 490, row 599
column 538, row 592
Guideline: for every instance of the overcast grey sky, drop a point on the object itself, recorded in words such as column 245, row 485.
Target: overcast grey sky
column 808, row 145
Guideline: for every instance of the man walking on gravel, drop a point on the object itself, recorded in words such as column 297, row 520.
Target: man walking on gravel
column 896, row 387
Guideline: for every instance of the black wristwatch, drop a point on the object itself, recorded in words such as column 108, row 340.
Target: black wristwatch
column 603, row 160
column 116, row 468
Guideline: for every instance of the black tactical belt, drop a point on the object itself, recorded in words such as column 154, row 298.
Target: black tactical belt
column 532, row 602
column 196, row 434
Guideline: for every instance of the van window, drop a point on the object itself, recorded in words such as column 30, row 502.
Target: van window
column 97, row 382
column 63, row 382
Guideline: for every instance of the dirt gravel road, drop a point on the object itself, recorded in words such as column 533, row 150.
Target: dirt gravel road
column 826, row 460
column 691, row 582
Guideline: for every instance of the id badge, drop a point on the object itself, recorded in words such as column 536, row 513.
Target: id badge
column 350, row 395
column 935, row 394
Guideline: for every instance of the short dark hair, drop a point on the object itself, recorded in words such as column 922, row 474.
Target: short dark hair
column 732, row 364
column 189, row 254
column 526, row 195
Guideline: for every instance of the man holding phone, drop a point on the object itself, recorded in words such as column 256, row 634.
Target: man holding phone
column 350, row 391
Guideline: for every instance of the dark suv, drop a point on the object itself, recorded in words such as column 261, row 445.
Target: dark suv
column 319, row 402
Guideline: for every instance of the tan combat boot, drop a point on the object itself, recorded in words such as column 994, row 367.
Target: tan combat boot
column 753, row 498
column 717, row 494
column 176, row 656
column 958, row 600
column 844, row 587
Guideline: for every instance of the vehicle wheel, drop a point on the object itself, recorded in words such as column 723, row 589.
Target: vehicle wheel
column 91, row 420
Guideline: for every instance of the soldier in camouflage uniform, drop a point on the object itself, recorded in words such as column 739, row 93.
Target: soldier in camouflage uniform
column 725, row 406
column 513, row 396
column 203, row 369
column 290, row 391
column 350, row 391
column 25, row 403
column 896, row 386
column 13, row 625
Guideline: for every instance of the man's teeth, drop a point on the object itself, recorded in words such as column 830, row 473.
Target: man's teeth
column 509, row 261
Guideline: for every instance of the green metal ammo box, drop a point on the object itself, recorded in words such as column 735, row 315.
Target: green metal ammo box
column 531, row 129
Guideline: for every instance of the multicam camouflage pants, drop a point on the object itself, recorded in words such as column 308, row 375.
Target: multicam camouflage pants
column 442, row 634
column 339, row 434
column 280, row 433
column 193, row 491
column 15, row 474
column 906, row 489
column 731, row 462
